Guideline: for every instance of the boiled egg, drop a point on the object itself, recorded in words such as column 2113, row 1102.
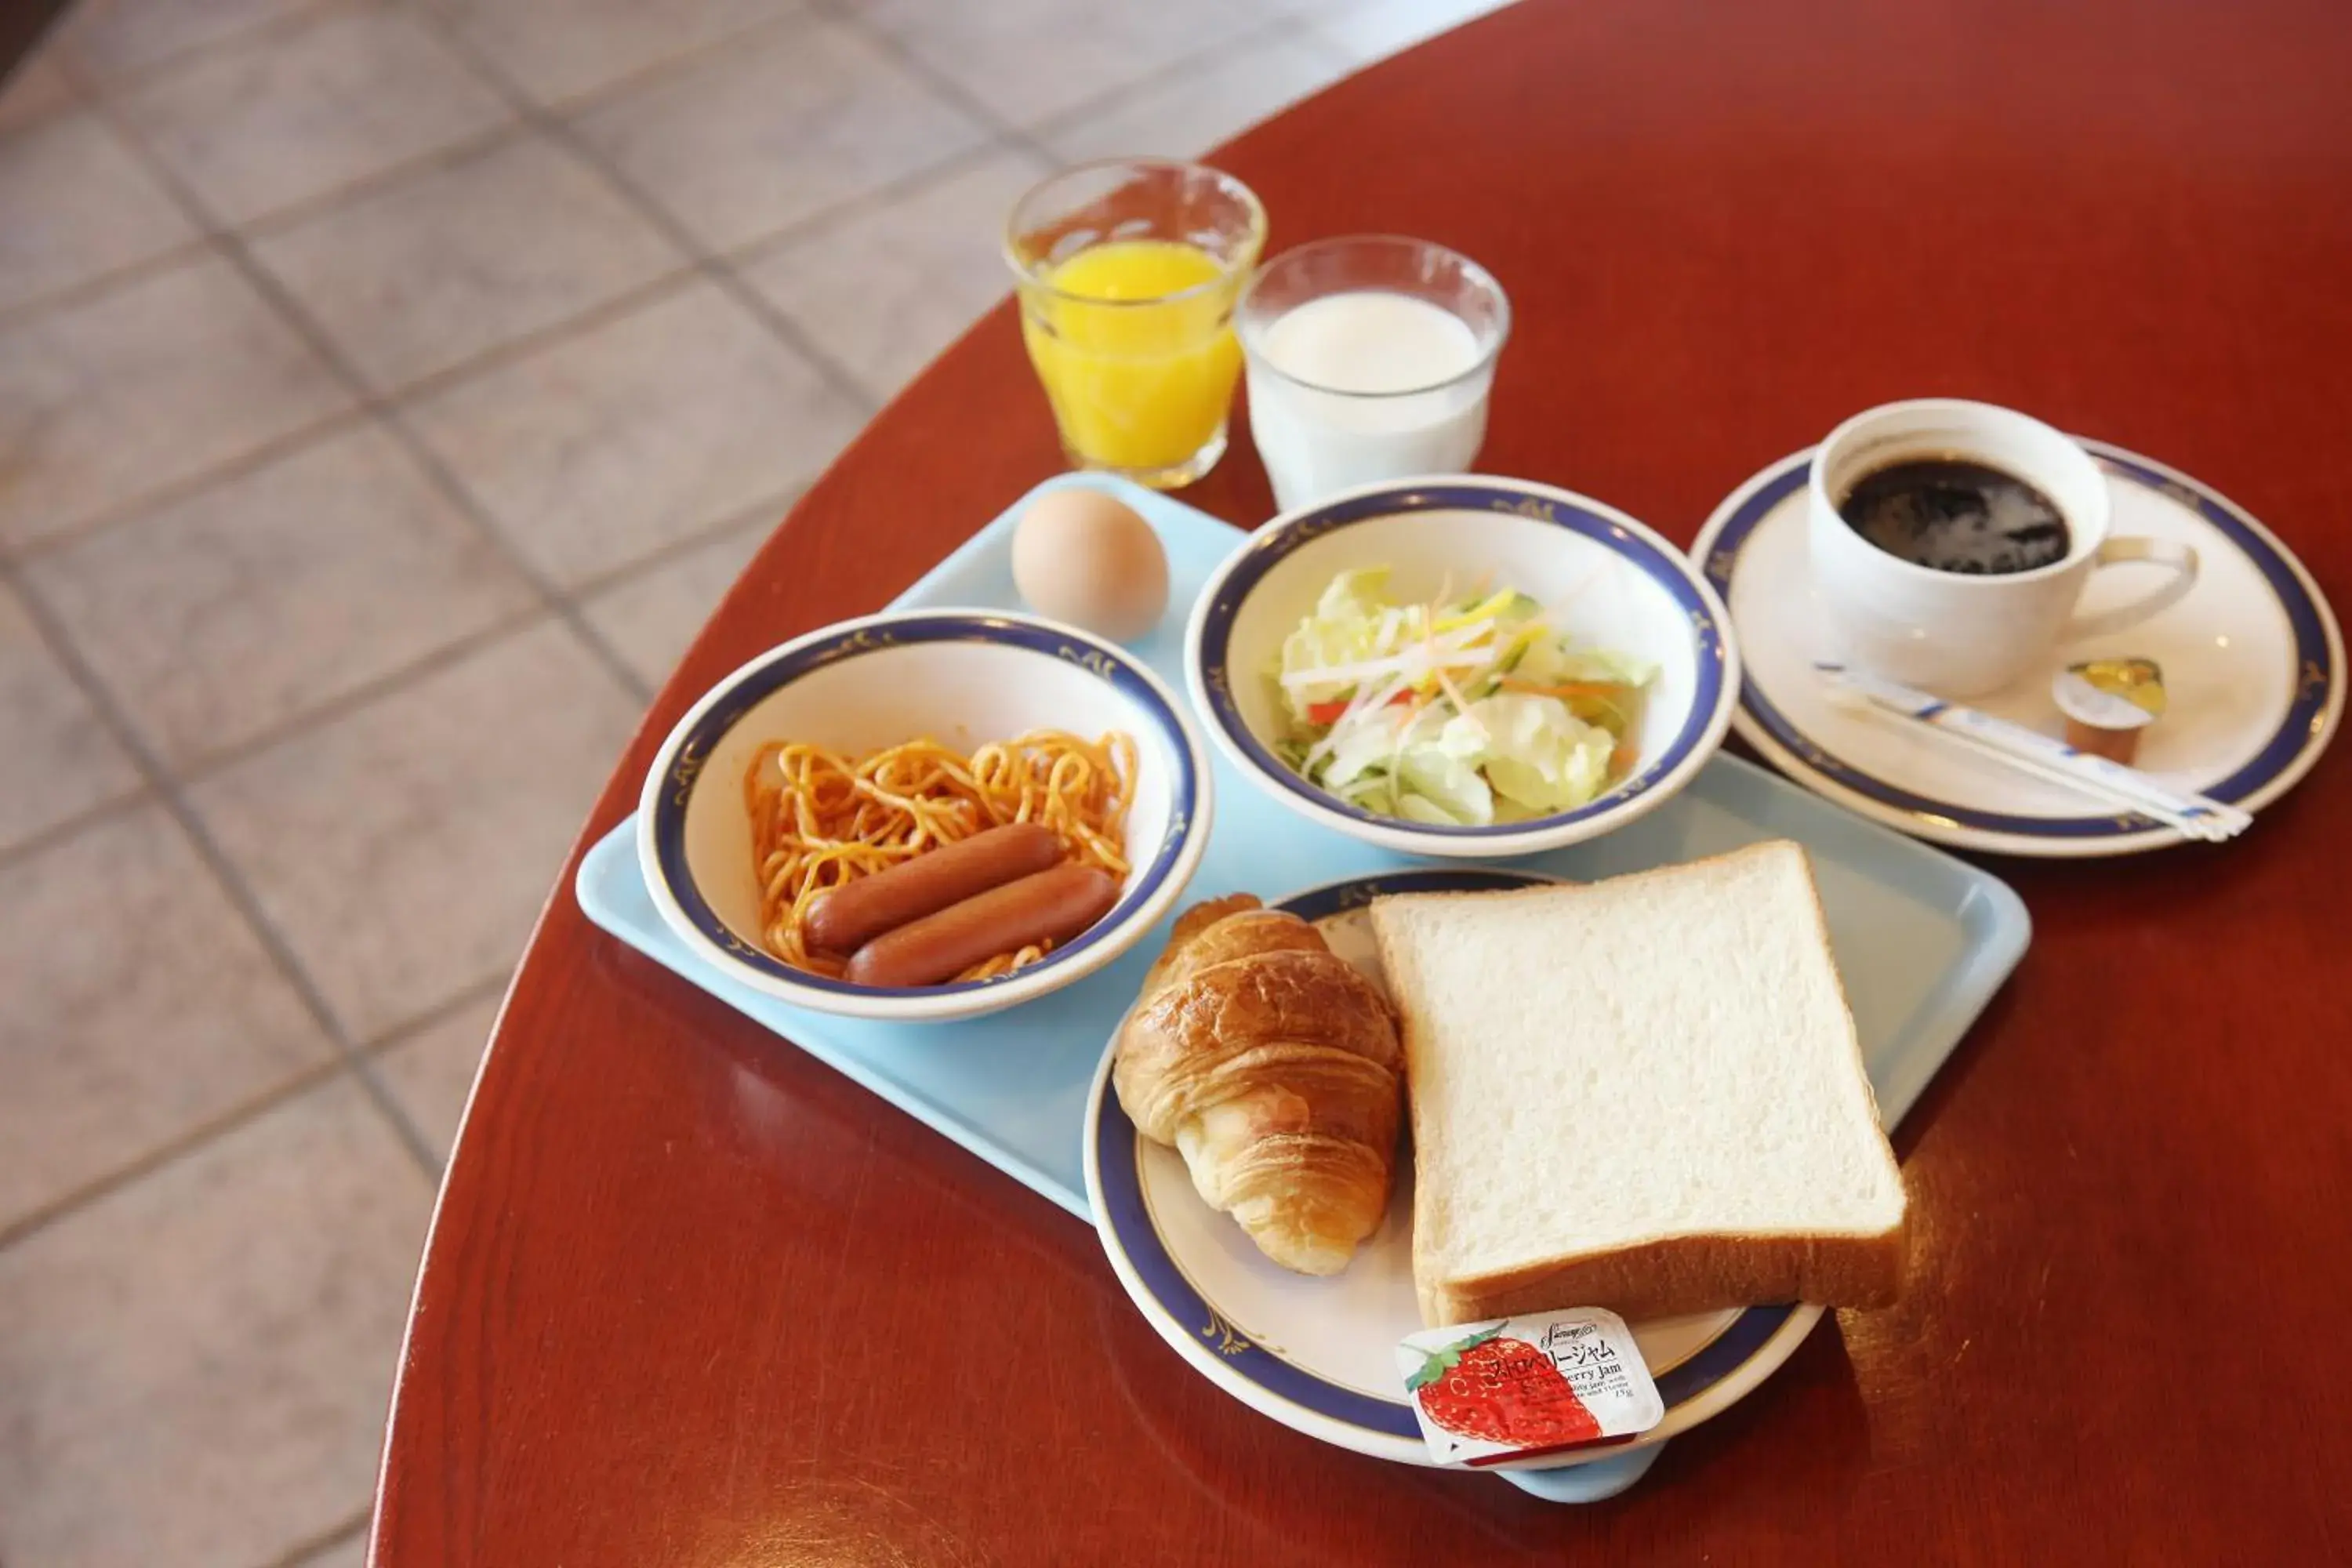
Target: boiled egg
column 1088, row 558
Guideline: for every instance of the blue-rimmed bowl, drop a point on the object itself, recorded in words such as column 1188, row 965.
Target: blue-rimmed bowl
column 1624, row 587
column 963, row 677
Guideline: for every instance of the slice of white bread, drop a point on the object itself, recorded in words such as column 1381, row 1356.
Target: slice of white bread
column 1643, row 1094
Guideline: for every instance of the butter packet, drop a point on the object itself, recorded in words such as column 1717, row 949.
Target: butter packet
column 1484, row 1393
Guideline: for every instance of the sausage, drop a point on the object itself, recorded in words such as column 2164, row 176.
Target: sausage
column 1050, row 906
column 845, row 918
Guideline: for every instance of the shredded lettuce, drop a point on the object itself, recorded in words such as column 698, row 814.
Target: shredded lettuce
column 1341, row 631
column 1369, row 745
column 1541, row 755
column 1462, row 712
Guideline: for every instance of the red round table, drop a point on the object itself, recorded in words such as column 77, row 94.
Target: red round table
column 693, row 1299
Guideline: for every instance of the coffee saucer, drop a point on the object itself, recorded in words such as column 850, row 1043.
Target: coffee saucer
column 2253, row 672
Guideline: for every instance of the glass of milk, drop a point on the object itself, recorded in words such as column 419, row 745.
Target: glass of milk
column 1370, row 358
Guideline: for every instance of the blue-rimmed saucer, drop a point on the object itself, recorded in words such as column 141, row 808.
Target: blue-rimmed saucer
column 2252, row 659
column 960, row 677
column 1318, row 1355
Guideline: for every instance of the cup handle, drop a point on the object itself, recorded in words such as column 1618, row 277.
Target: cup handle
column 2180, row 563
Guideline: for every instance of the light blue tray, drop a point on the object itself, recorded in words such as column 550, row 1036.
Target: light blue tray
column 1922, row 940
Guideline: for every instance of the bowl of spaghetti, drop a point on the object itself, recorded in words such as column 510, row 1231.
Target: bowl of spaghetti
column 854, row 755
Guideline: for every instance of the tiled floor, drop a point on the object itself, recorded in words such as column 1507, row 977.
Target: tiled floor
column 386, row 391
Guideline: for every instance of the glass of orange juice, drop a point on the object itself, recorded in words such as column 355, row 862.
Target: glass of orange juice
column 1128, row 271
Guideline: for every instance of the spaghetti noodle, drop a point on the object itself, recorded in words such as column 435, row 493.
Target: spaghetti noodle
column 819, row 820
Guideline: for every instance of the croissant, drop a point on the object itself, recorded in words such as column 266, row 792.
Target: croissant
column 1273, row 1066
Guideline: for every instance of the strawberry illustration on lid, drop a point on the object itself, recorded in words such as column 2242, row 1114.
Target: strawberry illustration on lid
column 1497, row 1390
column 1486, row 1393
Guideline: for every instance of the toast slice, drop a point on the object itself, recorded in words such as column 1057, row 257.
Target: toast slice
column 1645, row 1094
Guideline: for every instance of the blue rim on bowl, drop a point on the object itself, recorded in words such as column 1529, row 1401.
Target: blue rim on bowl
column 669, row 785
column 1716, row 669
column 1731, row 1361
column 2281, row 760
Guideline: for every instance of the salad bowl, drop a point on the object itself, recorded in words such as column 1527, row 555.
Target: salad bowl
column 1462, row 667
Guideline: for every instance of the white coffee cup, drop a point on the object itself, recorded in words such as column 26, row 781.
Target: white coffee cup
column 1959, row 634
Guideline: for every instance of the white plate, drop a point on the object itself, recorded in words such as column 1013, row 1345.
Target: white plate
column 1318, row 1355
column 2253, row 666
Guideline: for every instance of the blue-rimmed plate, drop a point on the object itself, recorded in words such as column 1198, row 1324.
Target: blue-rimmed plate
column 1318, row 1355
column 960, row 677
column 1616, row 584
column 2252, row 658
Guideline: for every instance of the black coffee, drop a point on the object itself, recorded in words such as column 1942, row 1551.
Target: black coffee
column 1957, row 516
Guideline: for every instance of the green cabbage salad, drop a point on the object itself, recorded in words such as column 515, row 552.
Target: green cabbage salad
column 1460, row 712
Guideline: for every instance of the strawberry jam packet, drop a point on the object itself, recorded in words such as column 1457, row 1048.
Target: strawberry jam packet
column 1538, row 1384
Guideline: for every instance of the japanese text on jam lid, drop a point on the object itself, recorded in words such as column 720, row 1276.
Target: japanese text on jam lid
column 1520, row 1387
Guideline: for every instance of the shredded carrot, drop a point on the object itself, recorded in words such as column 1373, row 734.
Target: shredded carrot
column 1567, row 689
column 1331, row 712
